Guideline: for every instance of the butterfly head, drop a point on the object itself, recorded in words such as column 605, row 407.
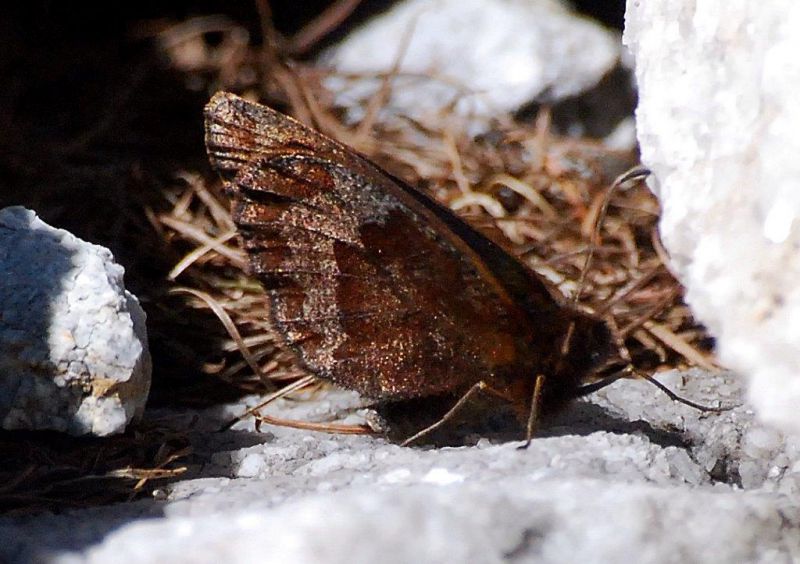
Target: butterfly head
column 589, row 348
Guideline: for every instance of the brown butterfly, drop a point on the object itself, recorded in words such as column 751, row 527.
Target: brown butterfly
column 381, row 290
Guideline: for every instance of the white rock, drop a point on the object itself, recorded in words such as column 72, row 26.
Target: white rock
column 73, row 343
column 488, row 56
column 520, row 519
column 717, row 122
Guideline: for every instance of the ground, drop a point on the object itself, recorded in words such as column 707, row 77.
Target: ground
column 628, row 472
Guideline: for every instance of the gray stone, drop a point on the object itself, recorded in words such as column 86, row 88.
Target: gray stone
column 481, row 58
column 717, row 124
column 73, row 342
column 628, row 474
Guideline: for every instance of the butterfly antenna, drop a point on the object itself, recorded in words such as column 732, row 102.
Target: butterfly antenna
column 635, row 174
column 630, row 371
column 587, row 389
column 675, row 397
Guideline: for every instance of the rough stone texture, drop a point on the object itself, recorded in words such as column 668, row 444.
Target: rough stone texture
column 717, row 123
column 628, row 475
column 488, row 56
column 73, row 343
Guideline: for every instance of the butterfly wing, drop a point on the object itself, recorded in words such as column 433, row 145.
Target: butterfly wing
column 374, row 285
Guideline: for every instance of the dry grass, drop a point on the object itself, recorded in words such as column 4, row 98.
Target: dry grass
column 46, row 471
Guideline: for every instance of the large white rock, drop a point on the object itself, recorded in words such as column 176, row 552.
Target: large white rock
column 73, row 343
column 489, row 57
column 718, row 123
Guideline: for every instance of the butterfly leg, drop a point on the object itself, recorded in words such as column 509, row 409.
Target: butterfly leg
column 533, row 414
column 478, row 387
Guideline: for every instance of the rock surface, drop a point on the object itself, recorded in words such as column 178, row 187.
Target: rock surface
column 717, row 124
column 73, row 343
column 627, row 473
column 487, row 57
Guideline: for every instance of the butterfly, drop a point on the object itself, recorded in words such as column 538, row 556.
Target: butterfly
column 380, row 289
